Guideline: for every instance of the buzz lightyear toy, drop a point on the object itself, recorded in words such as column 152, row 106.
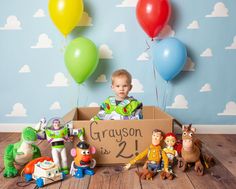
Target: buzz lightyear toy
column 56, row 133
column 127, row 109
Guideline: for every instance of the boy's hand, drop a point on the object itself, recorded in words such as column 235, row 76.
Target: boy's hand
column 71, row 138
column 127, row 167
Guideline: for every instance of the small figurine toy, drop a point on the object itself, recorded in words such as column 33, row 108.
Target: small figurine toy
column 83, row 163
column 155, row 155
column 170, row 141
column 44, row 171
column 56, row 133
column 21, row 152
column 190, row 151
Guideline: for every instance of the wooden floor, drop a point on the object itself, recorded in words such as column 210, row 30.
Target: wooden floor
column 222, row 175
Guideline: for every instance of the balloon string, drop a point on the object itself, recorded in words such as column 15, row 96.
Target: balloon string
column 86, row 99
column 166, row 94
column 155, row 81
column 148, row 46
column 78, row 95
column 66, row 40
column 163, row 99
column 63, row 45
column 155, row 75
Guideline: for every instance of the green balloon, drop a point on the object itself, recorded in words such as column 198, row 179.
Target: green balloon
column 81, row 58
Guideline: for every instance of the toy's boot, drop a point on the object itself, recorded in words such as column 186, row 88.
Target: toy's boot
column 65, row 170
column 89, row 172
column 79, row 173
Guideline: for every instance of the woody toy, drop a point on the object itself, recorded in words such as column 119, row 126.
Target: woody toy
column 155, row 156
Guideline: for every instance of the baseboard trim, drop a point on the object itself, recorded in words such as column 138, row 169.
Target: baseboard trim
column 211, row 129
column 14, row 127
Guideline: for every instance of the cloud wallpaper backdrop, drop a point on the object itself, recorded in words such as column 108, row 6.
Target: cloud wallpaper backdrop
column 35, row 83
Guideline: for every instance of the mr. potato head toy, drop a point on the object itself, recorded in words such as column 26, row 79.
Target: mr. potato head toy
column 83, row 163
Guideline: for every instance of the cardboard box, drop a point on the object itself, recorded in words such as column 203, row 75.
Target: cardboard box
column 119, row 141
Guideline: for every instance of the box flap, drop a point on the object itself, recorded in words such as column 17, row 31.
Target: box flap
column 160, row 114
column 72, row 115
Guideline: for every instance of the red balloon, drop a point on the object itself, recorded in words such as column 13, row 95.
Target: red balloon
column 153, row 15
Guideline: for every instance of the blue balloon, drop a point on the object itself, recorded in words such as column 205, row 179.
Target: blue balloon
column 169, row 57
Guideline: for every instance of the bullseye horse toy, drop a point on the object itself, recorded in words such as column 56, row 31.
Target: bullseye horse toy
column 191, row 151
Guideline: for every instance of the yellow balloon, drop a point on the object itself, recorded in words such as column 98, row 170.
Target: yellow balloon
column 66, row 14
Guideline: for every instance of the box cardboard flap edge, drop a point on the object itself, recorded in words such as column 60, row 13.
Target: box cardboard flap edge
column 119, row 141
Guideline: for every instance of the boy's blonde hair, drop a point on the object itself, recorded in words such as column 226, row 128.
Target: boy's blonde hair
column 120, row 73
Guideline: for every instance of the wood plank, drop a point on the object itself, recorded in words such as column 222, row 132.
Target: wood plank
column 123, row 179
column 220, row 176
column 55, row 185
column 217, row 176
column 9, row 139
column 3, row 136
column 114, row 177
column 230, row 138
column 223, row 148
column 13, row 182
column 181, row 181
column 45, row 148
column 5, row 182
column 74, row 183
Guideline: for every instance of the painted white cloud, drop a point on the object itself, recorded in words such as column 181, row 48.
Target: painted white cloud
column 59, row 81
column 86, row 20
column 179, row 103
column 43, row 42
column 25, row 69
column 18, row 110
column 189, row 66
column 233, row 45
column 93, row 104
column 39, row 13
column 193, row 25
column 207, row 53
column 55, row 106
column 167, row 31
column 219, row 10
column 206, row 88
column 121, row 28
column 12, row 23
column 230, row 109
column 143, row 57
column 105, row 52
column 101, row 79
column 137, row 86
column 128, row 3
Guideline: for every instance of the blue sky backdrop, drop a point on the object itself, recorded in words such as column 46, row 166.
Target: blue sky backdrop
column 35, row 83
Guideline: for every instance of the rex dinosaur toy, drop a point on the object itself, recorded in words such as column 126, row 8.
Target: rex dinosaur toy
column 21, row 152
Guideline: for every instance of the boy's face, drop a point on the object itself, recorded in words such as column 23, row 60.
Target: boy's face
column 121, row 87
